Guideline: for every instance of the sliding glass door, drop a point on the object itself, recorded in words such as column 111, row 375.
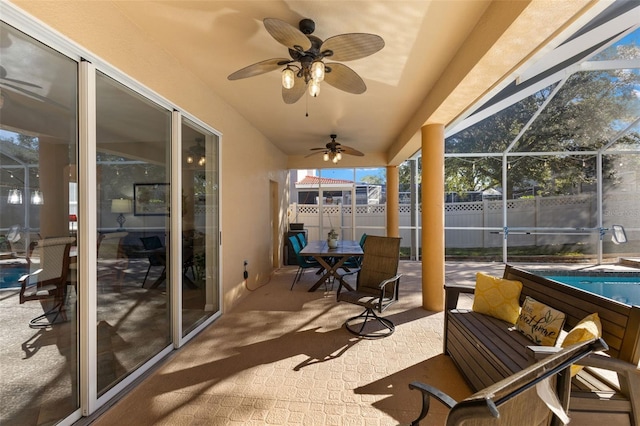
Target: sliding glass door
column 83, row 340
column 200, row 228
column 38, row 145
column 133, row 206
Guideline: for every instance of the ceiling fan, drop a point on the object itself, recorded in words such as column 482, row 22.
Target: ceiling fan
column 333, row 150
column 12, row 84
column 305, row 67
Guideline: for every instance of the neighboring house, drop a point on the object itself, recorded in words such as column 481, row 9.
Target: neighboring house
column 337, row 191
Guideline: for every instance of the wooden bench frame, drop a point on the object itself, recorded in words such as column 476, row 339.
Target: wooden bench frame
column 513, row 399
column 487, row 350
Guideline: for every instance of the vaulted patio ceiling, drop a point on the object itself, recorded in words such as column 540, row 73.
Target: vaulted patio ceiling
column 439, row 59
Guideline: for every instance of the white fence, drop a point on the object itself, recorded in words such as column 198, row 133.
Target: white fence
column 568, row 219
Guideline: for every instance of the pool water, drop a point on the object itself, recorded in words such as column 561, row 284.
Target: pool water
column 622, row 288
column 9, row 276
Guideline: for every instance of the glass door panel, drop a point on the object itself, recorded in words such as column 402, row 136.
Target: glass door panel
column 133, row 198
column 38, row 122
column 200, row 228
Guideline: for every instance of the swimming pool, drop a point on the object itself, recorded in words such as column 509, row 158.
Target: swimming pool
column 620, row 286
column 9, row 275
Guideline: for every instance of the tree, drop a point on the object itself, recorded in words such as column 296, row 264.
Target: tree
column 586, row 113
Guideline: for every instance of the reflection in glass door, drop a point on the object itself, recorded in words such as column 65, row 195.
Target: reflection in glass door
column 199, row 226
column 133, row 199
column 38, row 143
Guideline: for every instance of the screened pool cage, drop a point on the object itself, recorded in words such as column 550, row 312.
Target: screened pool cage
column 554, row 153
column 542, row 168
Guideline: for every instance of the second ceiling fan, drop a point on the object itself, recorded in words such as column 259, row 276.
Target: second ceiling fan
column 305, row 68
column 333, row 150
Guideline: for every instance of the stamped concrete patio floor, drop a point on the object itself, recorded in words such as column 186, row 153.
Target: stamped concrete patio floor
column 283, row 357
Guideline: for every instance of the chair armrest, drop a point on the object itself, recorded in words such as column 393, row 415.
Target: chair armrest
column 452, row 293
column 537, row 353
column 599, row 360
column 25, row 278
column 540, row 352
column 386, row 282
column 429, row 391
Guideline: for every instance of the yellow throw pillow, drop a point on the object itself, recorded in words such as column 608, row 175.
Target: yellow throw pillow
column 497, row 297
column 539, row 322
column 588, row 328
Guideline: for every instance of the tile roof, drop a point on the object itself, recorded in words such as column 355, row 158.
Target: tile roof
column 315, row 180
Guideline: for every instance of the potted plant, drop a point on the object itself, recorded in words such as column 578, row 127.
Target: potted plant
column 332, row 239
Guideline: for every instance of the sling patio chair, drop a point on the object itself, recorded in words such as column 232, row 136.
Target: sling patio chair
column 376, row 288
column 48, row 262
column 303, row 263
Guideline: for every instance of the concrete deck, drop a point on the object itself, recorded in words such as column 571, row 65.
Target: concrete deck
column 282, row 357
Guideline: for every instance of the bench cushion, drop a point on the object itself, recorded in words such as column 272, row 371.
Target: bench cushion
column 586, row 329
column 540, row 323
column 497, row 297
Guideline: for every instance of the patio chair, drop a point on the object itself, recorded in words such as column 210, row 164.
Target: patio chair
column 49, row 261
column 156, row 257
column 15, row 240
column 376, row 287
column 303, row 263
column 112, row 261
column 354, row 263
column 516, row 399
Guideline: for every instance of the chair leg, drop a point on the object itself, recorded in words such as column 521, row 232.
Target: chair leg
column 369, row 315
column 146, row 275
column 38, row 322
column 295, row 278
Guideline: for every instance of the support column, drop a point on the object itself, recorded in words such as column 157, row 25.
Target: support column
column 433, row 217
column 54, row 184
column 393, row 189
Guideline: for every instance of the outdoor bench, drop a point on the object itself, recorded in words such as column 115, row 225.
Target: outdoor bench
column 487, row 350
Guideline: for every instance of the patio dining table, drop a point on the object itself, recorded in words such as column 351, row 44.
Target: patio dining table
column 331, row 259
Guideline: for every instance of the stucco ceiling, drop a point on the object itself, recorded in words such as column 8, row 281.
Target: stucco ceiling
column 439, row 58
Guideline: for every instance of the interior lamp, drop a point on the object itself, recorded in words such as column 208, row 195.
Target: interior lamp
column 335, row 159
column 325, row 157
column 15, row 196
column 121, row 206
column 288, row 78
column 37, row 199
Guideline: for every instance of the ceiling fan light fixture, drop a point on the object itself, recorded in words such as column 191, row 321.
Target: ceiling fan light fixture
column 325, row 157
column 314, row 88
column 288, row 78
column 335, row 159
column 15, row 196
column 317, row 71
column 37, row 199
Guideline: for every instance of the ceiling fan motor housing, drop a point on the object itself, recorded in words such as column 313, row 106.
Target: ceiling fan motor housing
column 307, row 26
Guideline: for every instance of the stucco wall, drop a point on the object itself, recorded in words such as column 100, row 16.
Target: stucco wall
column 249, row 160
